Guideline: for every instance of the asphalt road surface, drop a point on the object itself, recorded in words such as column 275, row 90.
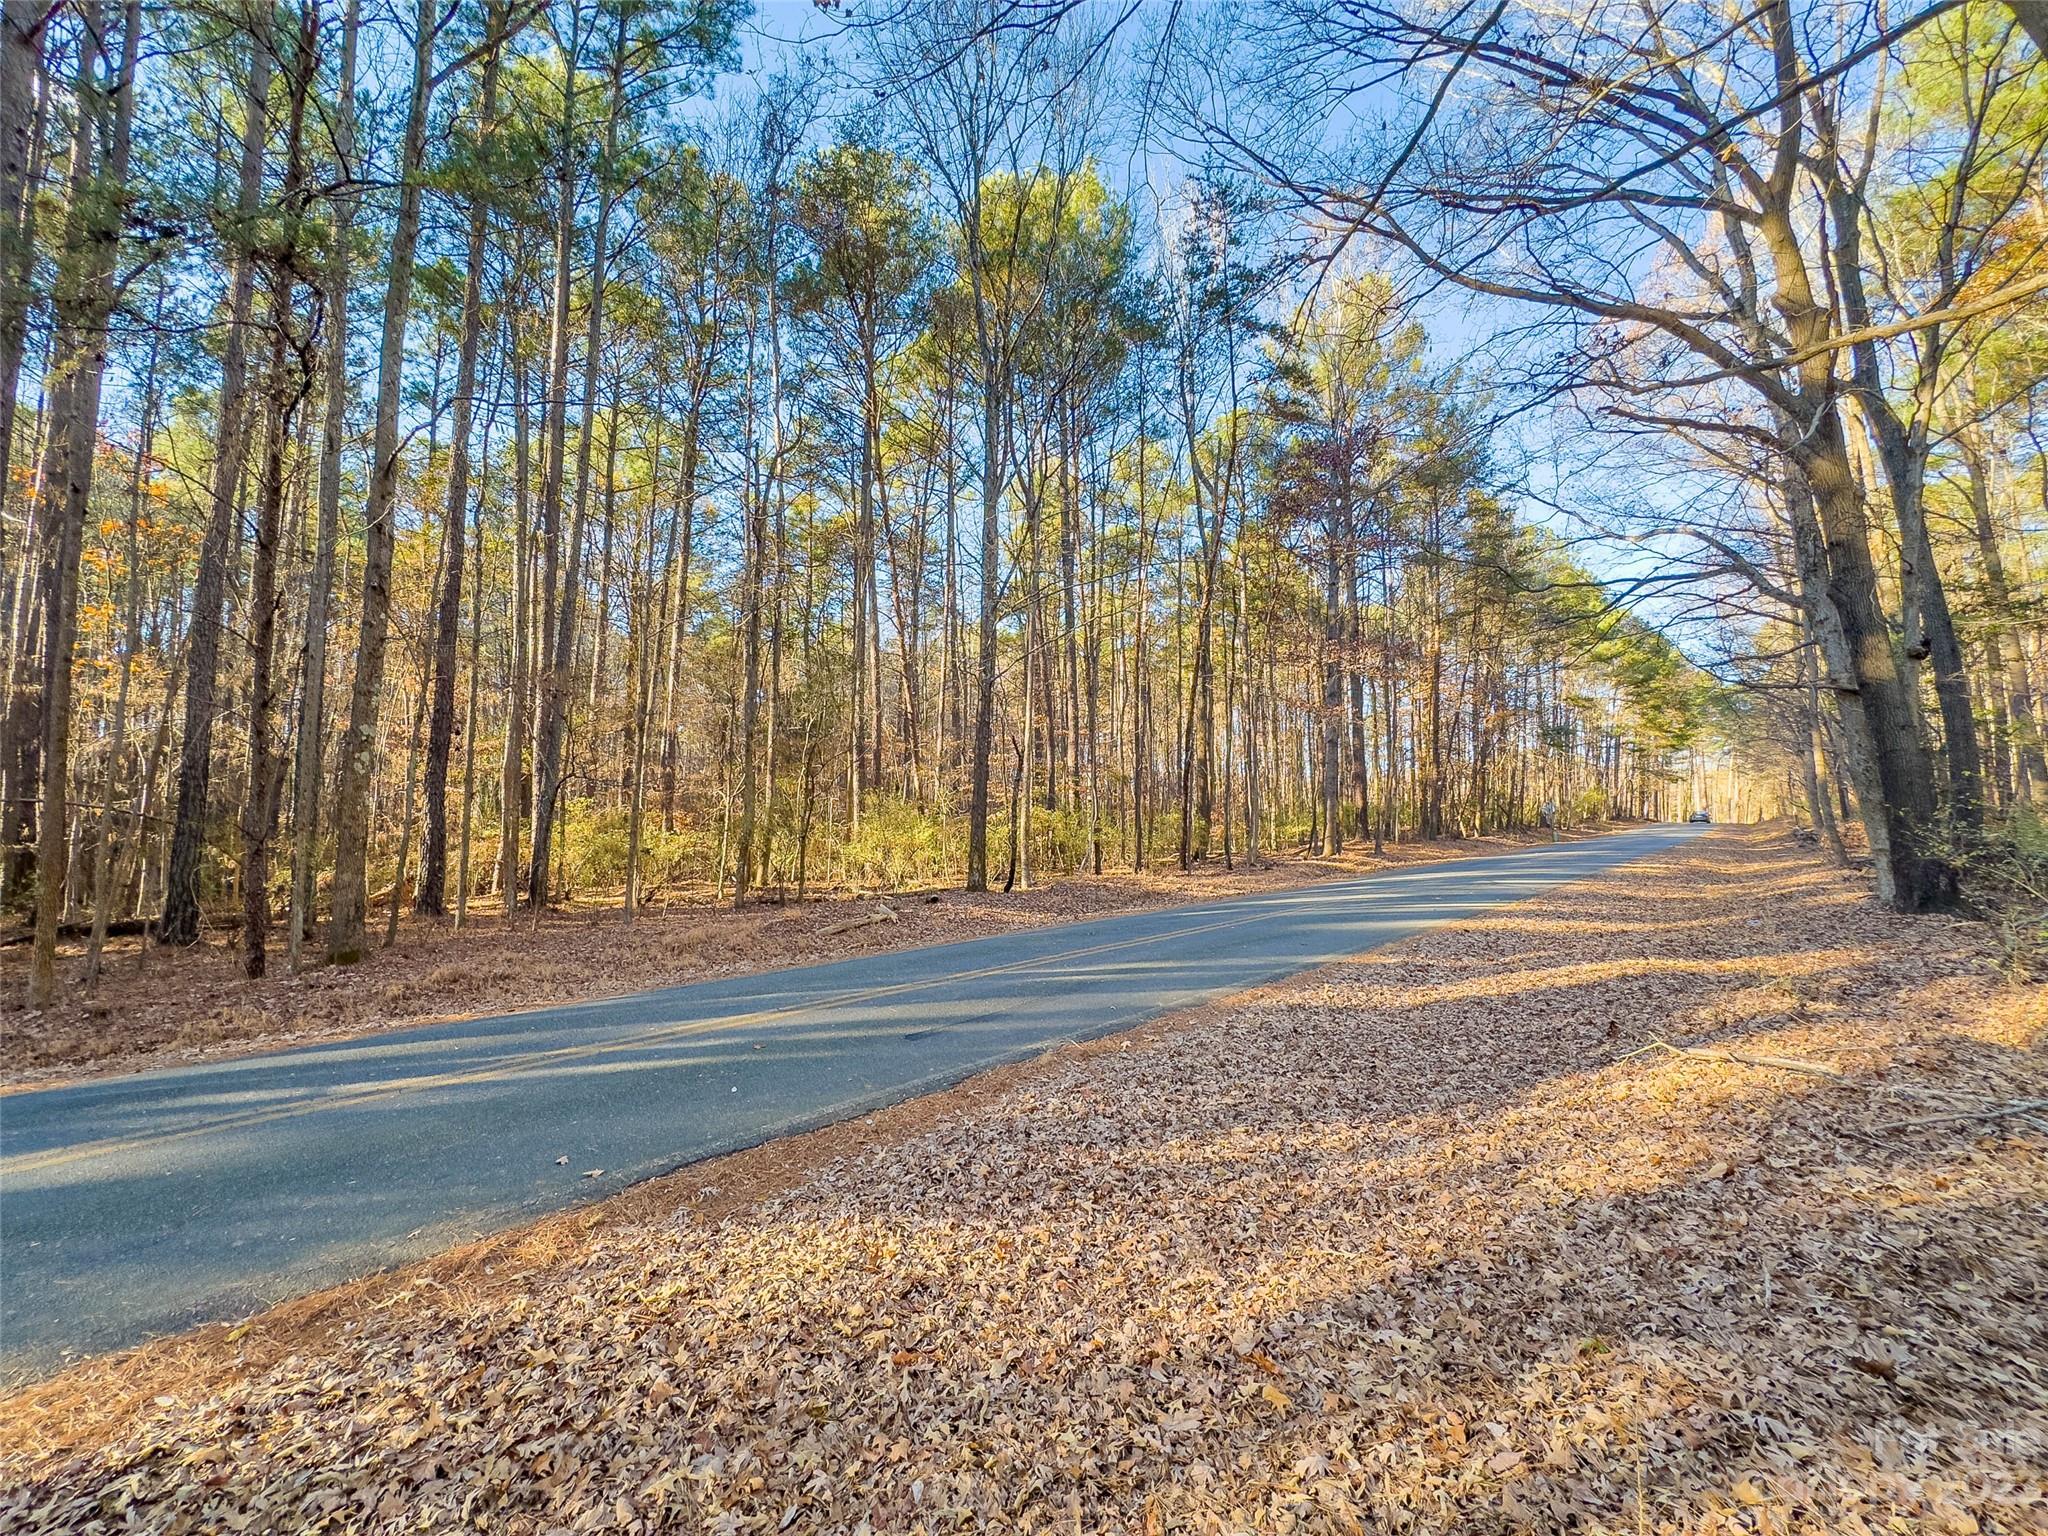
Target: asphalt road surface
column 142, row 1205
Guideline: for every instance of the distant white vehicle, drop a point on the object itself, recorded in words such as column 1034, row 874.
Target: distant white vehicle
column 1699, row 816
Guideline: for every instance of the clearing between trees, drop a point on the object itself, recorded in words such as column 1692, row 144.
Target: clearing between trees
column 1703, row 1196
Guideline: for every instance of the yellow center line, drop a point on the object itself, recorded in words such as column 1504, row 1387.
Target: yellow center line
column 347, row 1098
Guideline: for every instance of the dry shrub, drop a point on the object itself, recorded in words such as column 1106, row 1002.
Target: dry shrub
column 2005, row 879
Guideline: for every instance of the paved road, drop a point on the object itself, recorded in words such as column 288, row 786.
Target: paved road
column 136, row 1206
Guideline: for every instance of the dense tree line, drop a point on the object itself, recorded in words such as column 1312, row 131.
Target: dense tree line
column 470, row 455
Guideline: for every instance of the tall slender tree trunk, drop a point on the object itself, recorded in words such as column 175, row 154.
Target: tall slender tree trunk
column 1817, row 798
column 476, row 663
column 554, row 714
column 860, row 778
column 762, row 572
column 686, row 514
column 756, row 558
column 1070, row 597
column 992, row 474
column 283, row 396
column 359, row 746
column 135, row 883
column 1141, row 725
column 259, row 806
column 952, row 718
column 512, row 765
column 23, row 110
column 1902, row 447
column 1333, row 700
column 1388, row 828
column 1198, row 734
column 601, row 613
column 1019, row 876
column 405, row 817
column 553, row 478
column 1354, row 638
column 1905, row 456
column 320, row 579
column 83, row 302
column 432, row 898
column 180, row 924
column 131, row 643
column 22, row 24
column 650, row 631
column 1092, row 672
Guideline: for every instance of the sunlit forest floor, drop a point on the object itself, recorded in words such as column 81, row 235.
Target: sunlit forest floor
column 160, row 1008
column 1705, row 1196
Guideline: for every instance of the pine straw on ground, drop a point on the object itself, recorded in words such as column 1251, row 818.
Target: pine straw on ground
column 159, row 1008
column 1434, row 1240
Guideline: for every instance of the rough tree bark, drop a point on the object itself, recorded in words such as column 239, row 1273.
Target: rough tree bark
column 180, row 924
column 1900, row 817
column 22, row 23
column 512, row 765
column 131, row 643
column 566, row 563
column 432, row 897
column 82, row 304
column 284, row 396
column 320, row 579
column 359, row 745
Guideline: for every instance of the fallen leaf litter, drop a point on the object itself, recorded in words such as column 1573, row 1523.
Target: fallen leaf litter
column 1439, row 1239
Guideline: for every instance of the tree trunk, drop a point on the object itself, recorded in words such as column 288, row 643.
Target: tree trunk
column 259, row 807
column 992, row 468
column 1817, row 798
column 1141, row 672
column 284, row 397
column 131, row 643
column 432, row 897
column 83, row 301
column 22, row 23
column 476, row 662
column 554, row 713
column 1333, row 702
column 1902, row 447
column 320, row 579
column 412, row 767
column 2031, row 768
column 1899, row 809
column 180, row 923
column 512, row 765
column 359, row 746
column 2032, row 16
column 649, row 633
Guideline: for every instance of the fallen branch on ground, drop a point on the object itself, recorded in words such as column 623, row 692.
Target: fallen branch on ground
column 2024, row 1109
column 120, row 928
column 1745, row 1059
column 881, row 914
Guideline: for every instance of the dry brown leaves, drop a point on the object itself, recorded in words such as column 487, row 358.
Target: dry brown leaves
column 1411, row 1243
column 161, row 1008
